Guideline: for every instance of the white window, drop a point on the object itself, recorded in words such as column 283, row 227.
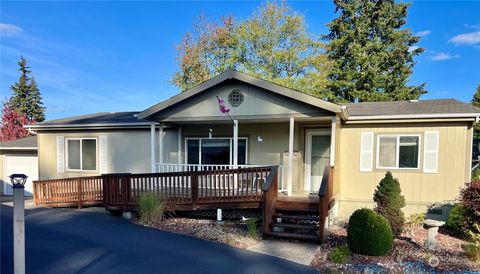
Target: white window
column 398, row 151
column 214, row 151
column 81, row 154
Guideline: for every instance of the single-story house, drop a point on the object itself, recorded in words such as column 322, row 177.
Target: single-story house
column 19, row 156
column 426, row 144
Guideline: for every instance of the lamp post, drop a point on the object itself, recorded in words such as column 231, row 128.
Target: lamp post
column 18, row 184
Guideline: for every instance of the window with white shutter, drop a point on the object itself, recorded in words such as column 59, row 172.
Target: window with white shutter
column 430, row 155
column 60, row 154
column 366, row 151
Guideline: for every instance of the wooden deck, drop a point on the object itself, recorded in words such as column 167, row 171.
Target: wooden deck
column 244, row 188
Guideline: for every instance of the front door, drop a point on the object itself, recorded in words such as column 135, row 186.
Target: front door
column 317, row 156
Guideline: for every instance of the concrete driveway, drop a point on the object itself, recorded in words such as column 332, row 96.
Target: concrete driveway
column 72, row 241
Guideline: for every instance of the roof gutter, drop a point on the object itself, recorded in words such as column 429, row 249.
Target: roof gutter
column 415, row 116
column 87, row 125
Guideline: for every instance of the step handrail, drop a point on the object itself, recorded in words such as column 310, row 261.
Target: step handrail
column 269, row 198
column 325, row 194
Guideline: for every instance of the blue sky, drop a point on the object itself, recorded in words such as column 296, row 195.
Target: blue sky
column 118, row 56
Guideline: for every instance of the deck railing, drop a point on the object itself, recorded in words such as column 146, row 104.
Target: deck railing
column 166, row 167
column 270, row 195
column 182, row 190
column 188, row 189
column 78, row 191
column 325, row 194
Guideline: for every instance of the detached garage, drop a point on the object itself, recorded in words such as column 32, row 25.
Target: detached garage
column 19, row 156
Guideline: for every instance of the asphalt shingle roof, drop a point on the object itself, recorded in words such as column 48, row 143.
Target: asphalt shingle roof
column 30, row 141
column 436, row 106
column 103, row 118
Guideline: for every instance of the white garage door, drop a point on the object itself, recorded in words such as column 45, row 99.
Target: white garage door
column 27, row 165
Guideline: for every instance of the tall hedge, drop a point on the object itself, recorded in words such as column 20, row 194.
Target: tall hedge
column 389, row 202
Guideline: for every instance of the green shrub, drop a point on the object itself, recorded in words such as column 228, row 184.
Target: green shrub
column 151, row 208
column 369, row 233
column 389, row 202
column 473, row 249
column 340, row 255
column 458, row 218
column 415, row 220
column 252, row 230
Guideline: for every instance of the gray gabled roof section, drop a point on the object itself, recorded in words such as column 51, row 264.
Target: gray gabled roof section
column 231, row 74
column 101, row 119
column 436, row 108
column 29, row 142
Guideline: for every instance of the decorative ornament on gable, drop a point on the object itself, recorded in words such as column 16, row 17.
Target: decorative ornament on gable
column 223, row 109
column 235, row 98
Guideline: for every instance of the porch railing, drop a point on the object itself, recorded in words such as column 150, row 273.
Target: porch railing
column 326, row 201
column 188, row 189
column 166, row 167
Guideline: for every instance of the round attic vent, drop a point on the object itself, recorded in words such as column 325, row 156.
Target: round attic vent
column 235, row 98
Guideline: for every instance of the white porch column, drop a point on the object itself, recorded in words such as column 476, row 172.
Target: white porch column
column 235, row 143
column 332, row 141
column 160, row 144
column 179, row 147
column 152, row 147
column 290, row 158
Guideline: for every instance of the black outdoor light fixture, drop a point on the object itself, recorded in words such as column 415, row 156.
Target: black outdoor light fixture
column 18, row 180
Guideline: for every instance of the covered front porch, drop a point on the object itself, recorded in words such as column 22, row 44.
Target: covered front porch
column 300, row 147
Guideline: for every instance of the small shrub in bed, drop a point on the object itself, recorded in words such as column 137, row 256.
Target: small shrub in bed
column 151, row 208
column 389, row 202
column 473, row 249
column 471, row 199
column 415, row 220
column 340, row 255
column 369, row 233
column 458, row 218
column 252, row 228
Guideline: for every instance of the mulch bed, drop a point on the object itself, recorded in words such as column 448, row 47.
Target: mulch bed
column 408, row 255
column 231, row 233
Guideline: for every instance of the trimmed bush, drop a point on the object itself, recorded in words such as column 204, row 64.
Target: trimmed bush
column 389, row 202
column 458, row 218
column 369, row 233
column 340, row 255
column 151, row 208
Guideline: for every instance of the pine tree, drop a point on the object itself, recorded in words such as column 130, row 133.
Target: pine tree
column 476, row 102
column 12, row 124
column 389, row 202
column 372, row 52
column 26, row 98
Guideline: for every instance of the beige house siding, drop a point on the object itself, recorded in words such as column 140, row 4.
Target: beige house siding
column 128, row 151
column 420, row 189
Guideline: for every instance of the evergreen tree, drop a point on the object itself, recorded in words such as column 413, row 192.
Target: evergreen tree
column 389, row 202
column 476, row 102
column 12, row 124
column 26, row 99
column 372, row 52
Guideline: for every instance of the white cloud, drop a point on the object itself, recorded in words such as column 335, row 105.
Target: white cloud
column 10, row 30
column 423, row 33
column 443, row 56
column 468, row 39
